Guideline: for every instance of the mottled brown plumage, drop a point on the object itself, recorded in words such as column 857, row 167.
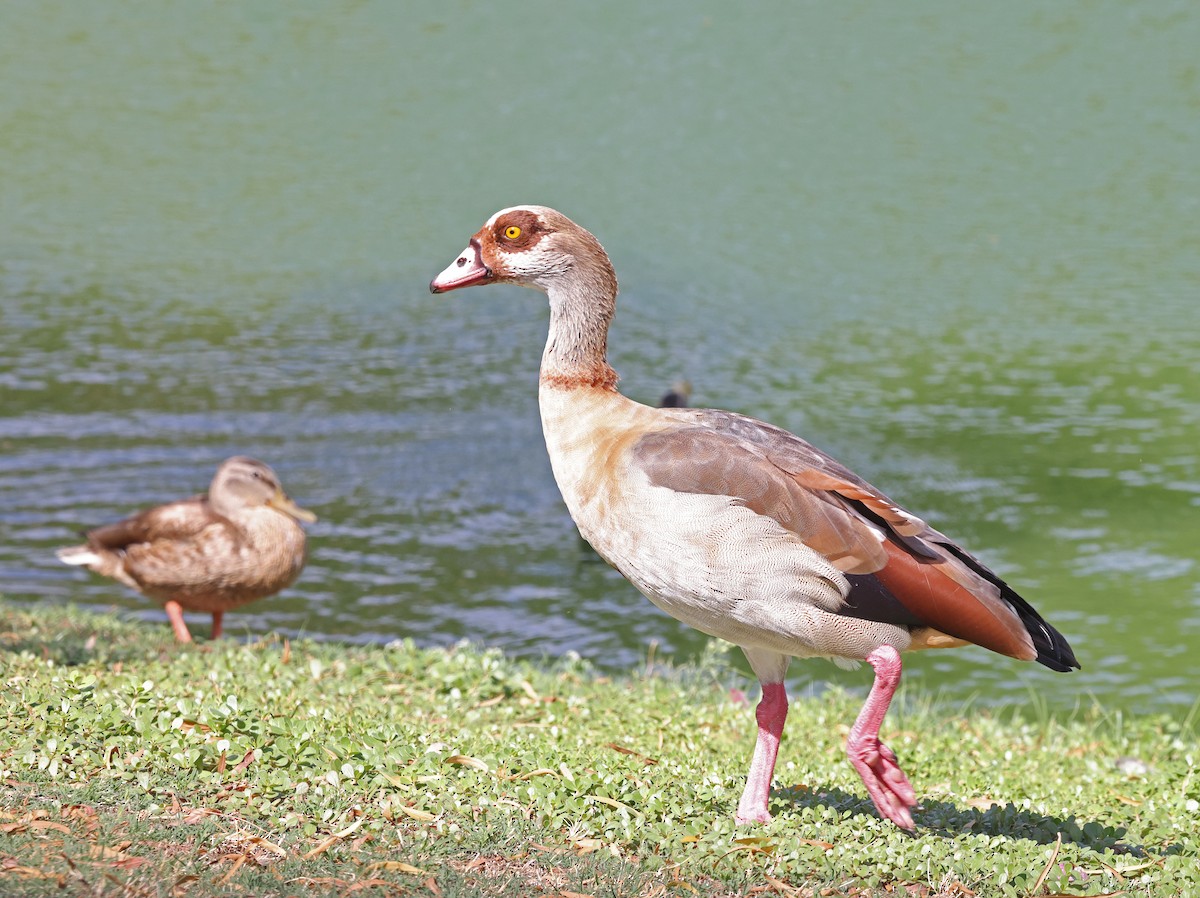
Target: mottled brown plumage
column 210, row 553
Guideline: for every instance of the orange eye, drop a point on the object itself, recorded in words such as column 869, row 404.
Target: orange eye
column 512, row 232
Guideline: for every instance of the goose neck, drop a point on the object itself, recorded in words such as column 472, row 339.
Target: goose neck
column 577, row 344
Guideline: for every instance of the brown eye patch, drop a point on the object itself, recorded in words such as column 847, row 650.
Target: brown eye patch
column 518, row 230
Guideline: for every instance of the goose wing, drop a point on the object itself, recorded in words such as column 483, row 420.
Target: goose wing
column 900, row 569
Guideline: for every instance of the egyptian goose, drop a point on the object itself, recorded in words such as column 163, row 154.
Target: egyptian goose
column 209, row 553
column 739, row 528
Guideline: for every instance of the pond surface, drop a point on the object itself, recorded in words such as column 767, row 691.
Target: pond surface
column 957, row 247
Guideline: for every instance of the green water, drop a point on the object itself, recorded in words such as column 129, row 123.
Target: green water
column 956, row 245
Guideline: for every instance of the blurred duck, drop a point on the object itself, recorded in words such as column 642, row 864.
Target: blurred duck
column 239, row 543
column 678, row 396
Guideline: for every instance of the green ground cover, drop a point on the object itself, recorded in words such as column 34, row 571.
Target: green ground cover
column 133, row 766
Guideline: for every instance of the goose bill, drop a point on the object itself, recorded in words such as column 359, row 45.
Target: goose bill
column 465, row 271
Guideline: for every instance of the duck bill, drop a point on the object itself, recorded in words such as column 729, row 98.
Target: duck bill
column 465, row 271
column 280, row 502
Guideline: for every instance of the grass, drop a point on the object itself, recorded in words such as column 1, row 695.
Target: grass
column 133, row 766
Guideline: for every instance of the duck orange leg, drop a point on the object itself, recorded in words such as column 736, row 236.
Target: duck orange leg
column 886, row 783
column 218, row 616
column 175, row 616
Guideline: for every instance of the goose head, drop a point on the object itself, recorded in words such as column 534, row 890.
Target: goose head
column 531, row 246
column 242, row 482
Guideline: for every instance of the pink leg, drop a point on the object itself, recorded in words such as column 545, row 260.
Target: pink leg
column 217, row 617
column 175, row 616
column 771, row 714
column 886, row 783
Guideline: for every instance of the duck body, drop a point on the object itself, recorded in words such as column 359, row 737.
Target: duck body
column 679, row 396
column 212, row 553
column 737, row 527
column 203, row 560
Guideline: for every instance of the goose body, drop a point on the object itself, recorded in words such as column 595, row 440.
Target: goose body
column 238, row 543
column 737, row 527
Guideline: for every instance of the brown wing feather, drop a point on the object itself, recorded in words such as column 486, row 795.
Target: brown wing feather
column 842, row 516
column 208, row 563
column 173, row 521
column 697, row 460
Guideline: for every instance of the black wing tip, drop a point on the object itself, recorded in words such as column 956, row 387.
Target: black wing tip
column 1061, row 663
column 1053, row 649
